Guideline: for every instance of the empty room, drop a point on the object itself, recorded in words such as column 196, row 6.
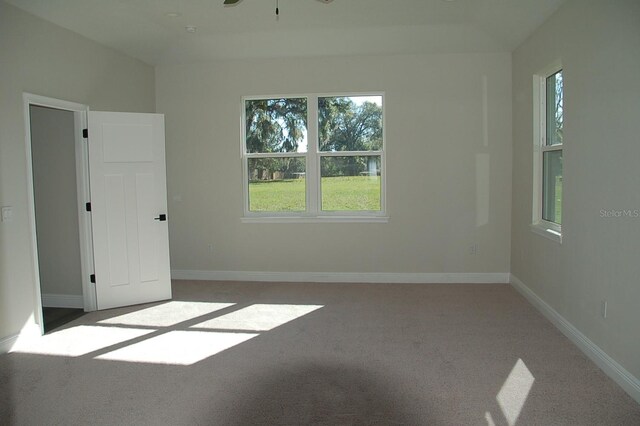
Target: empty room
column 337, row 212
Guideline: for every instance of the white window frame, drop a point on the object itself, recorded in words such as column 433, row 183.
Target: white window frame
column 540, row 226
column 313, row 212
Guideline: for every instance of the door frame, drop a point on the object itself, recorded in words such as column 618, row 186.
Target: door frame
column 80, row 113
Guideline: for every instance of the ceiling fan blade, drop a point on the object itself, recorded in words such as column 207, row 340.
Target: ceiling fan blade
column 231, row 2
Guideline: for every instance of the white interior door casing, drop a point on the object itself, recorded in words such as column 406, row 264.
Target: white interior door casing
column 128, row 195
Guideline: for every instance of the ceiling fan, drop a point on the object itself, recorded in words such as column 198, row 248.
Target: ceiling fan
column 234, row 2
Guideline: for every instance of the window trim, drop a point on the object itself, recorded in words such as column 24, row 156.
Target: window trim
column 539, row 225
column 313, row 212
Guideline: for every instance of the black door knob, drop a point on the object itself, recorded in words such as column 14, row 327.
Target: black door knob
column 161, row 218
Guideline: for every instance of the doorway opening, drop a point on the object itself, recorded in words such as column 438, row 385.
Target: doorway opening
column 120, row 207
column 60, row 225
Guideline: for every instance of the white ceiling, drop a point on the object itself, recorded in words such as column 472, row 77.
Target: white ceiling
column 143, row 29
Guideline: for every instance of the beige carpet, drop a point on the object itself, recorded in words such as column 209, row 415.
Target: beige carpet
column 295, row 354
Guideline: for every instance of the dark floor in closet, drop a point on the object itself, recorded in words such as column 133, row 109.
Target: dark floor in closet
column 56, row 317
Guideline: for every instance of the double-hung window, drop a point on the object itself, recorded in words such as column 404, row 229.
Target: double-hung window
column 548, row 153
column 314, row 157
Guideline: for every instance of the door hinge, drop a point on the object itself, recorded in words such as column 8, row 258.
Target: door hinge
column 85, row 133
column 92, row 278
column 87, row 207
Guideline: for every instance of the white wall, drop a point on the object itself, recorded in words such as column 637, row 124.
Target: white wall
column 56, row 201
column 441, row 197
column 598, row 43
column 41, row 58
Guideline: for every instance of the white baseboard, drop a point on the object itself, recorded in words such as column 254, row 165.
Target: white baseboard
column 618, row 373
column 7, row 343
column 344, row 277
column 29, row 331
column 62, row 301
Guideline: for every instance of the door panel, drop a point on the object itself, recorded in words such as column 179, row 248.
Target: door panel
column 147, row 230
column 116, row 230
column 128, row 192
column 119, row 150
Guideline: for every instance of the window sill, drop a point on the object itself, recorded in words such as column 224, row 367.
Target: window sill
column 548, row 230
column 315, row 219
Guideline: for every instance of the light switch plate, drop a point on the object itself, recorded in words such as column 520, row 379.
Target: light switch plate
column 7, row 213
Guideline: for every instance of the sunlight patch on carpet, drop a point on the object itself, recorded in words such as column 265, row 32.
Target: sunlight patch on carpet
column 489, row 418
column 77, row 341
column 514, row 392
column 166, row 314
column 178, row 347
column 259, row 317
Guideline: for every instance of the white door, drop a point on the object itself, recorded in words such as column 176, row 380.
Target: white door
column 128, row 208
